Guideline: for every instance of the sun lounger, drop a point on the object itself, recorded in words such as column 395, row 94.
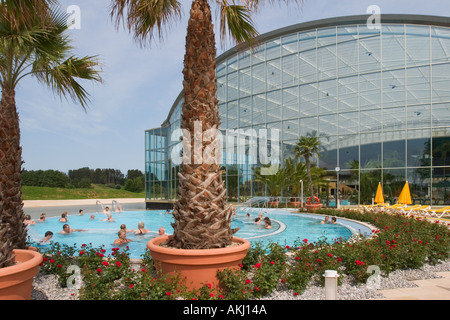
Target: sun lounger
column 393, row 207
column 418, row 209
column 439, row 212
column 407, row 210
column 373, row 208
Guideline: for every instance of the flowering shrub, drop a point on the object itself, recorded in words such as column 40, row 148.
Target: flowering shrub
column 400, row 242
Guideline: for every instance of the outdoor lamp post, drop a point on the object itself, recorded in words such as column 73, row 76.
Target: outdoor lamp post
column 331, row 284
column 338, row 204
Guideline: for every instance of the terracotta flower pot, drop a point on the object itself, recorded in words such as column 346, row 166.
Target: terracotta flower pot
column 199, row 266
column 16, row 281
column 313, row 207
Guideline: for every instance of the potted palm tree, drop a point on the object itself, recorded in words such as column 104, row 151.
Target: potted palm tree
column 202, row 217
column 33, row 41
column 307, row 147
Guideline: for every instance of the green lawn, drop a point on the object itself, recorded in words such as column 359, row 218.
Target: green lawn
column 97, row 192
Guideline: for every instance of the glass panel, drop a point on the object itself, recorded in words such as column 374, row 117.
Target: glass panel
column 232, row 64
column 418, row 88
column 441, row 87
column 348, row 94
column 394, row 88
column 290, row 70
column 440, row 44
column 273, row 74
column 308, row 126
column 369, row 49
column 328, row 158
column 273, row 49
column 419, row 184
column 245, row 85
column 394, row 151
column 393, row 182
column 328, row 96
column 308, row 66
column 290, row 103
column 232, row 115
column 419, row 151
column 347, row 51
column 273, row 106
column 308, row 100
column 328, row 124
column 259, row 78
column 369, row 180
column 393, row 46
column 232, row 92
column 370, row 151
column 290, row 130
column 348, row 123
column 441, row 118
column 417, row 45
column 441, row 151
column 326, row 53
column 394, row 118
column 348, row 156
column 259, row 54
column 259, row 109
column 441, row 186
column 245, row 113
column 244, row 59
column 221, row 69
column 370, row 120
column 418, row 116
column 370, row 90
column 289, row 44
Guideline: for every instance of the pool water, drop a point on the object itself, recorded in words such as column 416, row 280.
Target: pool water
column 286, row 229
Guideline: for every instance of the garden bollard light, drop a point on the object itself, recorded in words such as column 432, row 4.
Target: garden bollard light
column 331, row 284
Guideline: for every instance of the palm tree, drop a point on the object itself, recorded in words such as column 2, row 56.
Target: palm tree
column 33, row 41
column 307, row 147
column 202, row 216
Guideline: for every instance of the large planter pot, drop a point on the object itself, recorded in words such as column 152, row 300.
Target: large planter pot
column 198, row 266
column 313, row 207
column 16, row 282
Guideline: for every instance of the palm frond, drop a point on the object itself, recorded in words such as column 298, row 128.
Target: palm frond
column 236, row 21
column 64, row 77
column 145, row 18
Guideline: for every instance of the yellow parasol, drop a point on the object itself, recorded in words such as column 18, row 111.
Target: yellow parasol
column 379, row 199
column 405, row 195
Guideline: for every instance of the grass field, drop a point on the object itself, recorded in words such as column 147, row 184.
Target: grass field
column 97, row 192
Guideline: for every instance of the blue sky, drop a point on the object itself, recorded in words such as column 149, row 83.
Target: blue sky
column 141, row 84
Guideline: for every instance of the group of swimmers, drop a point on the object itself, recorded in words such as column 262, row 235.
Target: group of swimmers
column 66, row 229
column 266, row 220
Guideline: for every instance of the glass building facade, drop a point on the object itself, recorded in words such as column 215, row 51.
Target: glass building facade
column 378, row 98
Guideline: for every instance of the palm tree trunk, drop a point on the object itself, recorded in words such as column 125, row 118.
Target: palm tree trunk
column 202, row 216
column 308, row 169
column 12, row 229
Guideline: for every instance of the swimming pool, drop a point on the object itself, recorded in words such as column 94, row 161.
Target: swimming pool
column 286, row 228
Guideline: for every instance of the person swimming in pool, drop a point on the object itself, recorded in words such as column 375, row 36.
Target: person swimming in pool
column 122, row 237
column 63, row 217
column 67, row 230
column 46, row 239
column 124, row 227
column 141, row 230
column 109, row 219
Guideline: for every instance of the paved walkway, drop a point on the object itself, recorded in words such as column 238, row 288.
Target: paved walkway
column 428, row 289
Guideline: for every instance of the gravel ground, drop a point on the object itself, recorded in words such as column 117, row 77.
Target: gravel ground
column 45, row 287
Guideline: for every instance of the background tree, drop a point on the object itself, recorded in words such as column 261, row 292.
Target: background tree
column 33, row 41
column 308, row 147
